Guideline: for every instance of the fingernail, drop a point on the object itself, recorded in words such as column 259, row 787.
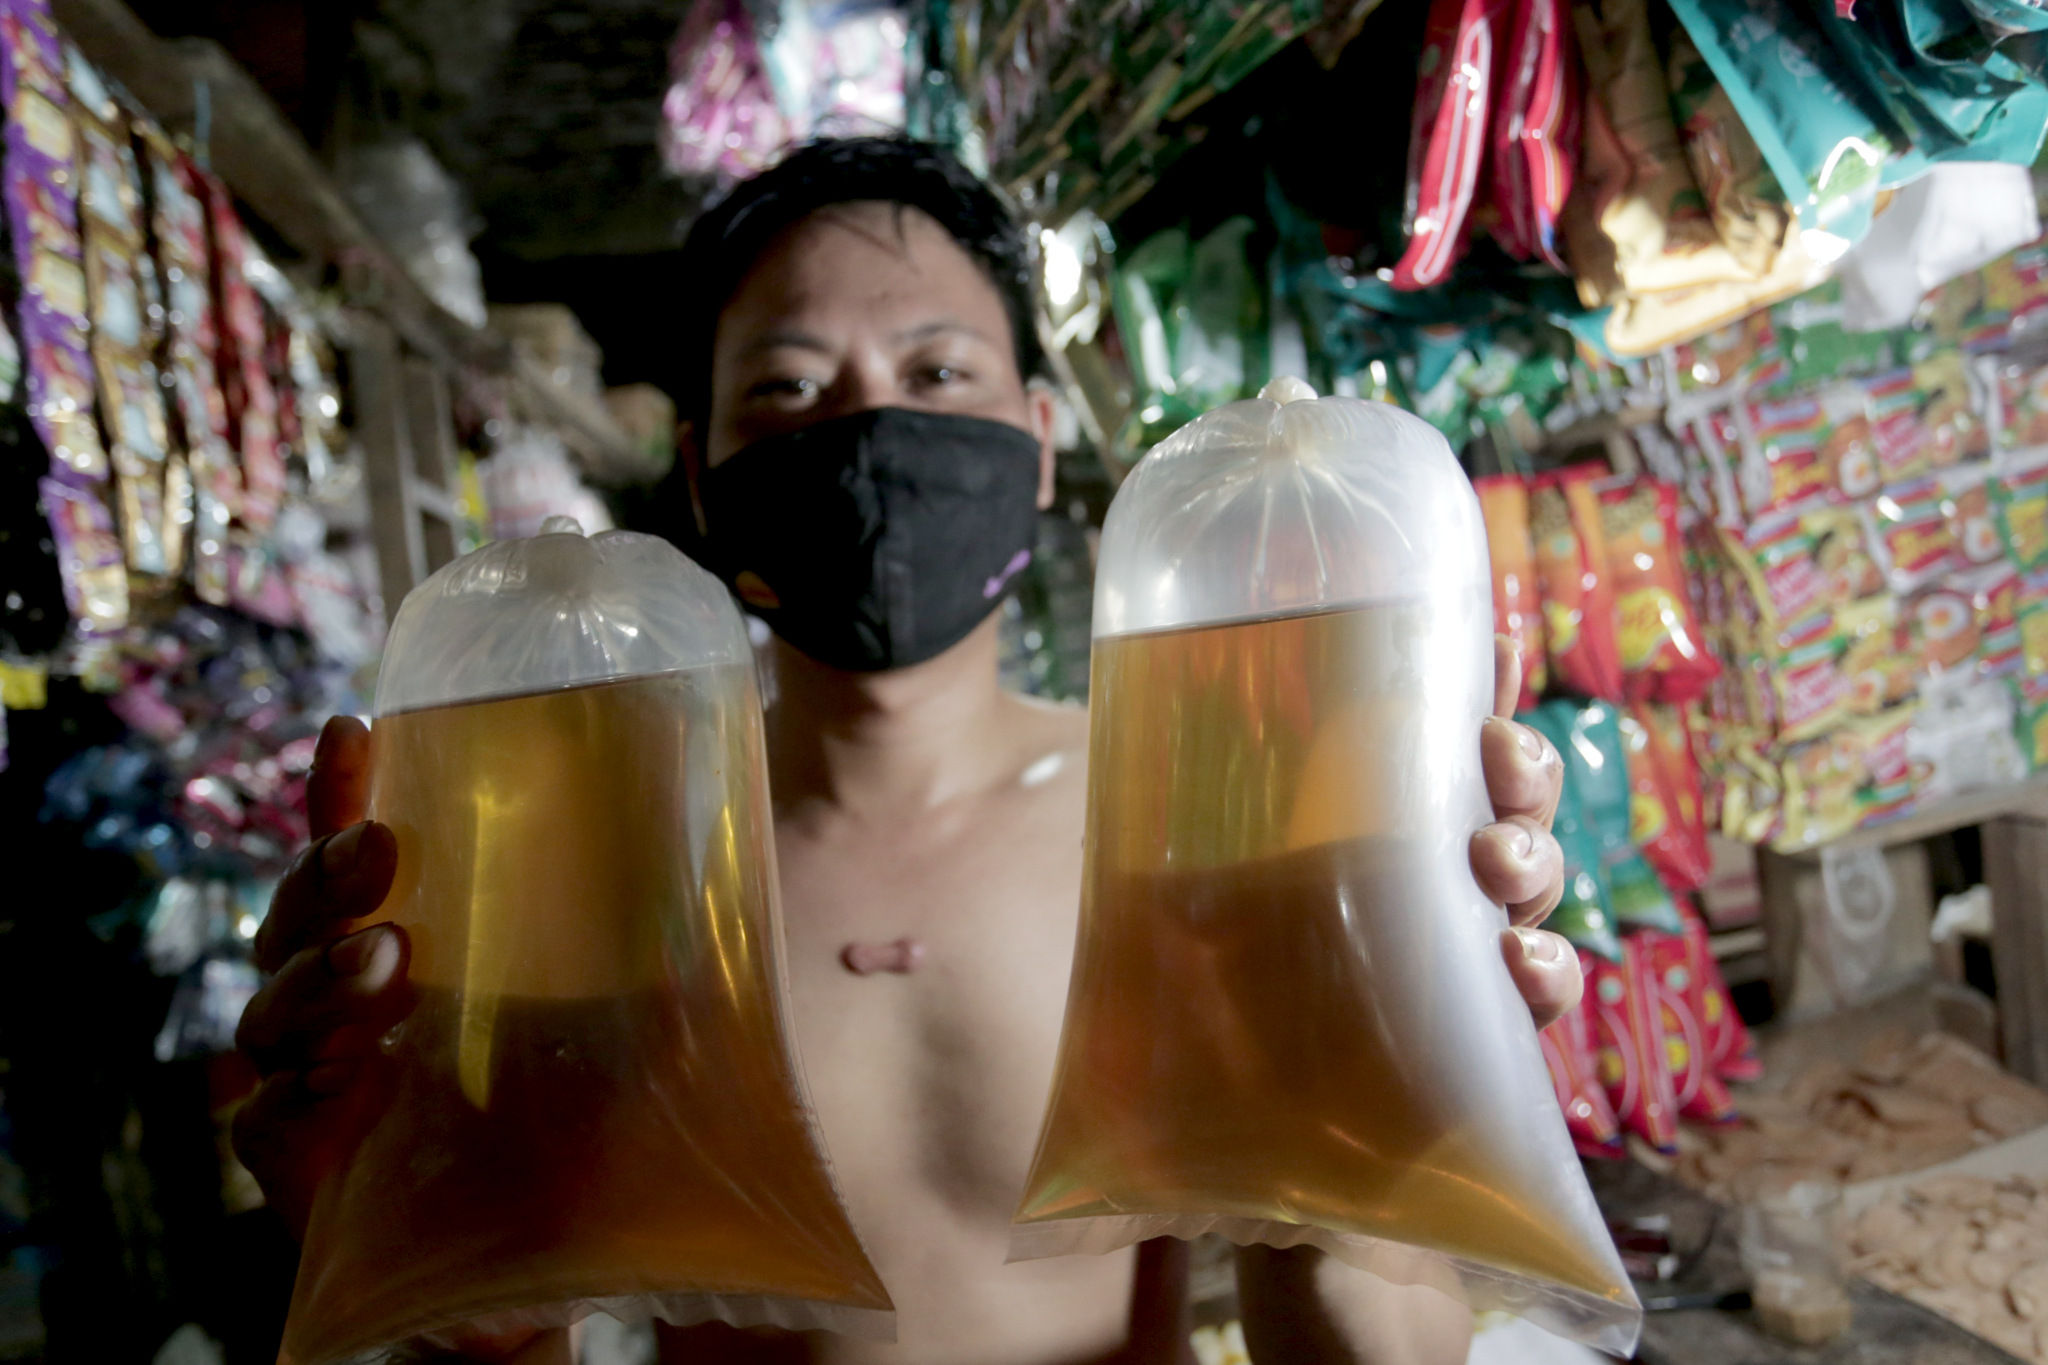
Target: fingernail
column 353, row 955
column 1531, row 742
column 331, row 1078
column 1538, row 946
column 1520, row 843
column 338, row 855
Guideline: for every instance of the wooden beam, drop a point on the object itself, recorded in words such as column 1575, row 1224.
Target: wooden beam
column 264, row 160
column 378, row 378
column 2016, row 870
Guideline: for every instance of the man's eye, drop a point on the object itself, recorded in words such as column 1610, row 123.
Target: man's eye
column 784, row 388
column 938, row 376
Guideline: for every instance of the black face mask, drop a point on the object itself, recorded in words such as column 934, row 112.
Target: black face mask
column 876, row 540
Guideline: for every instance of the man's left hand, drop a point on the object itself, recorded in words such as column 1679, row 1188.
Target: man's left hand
column 1516, row 860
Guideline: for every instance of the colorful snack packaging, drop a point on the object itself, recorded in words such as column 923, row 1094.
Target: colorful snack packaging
column 1951, row 410
column 1749, row 210
column 1588, row 736
column 2022, row 408
column 1628, row 1039
column 1806, row 689
column 1849, row 448
column 1730, row 1050
column 1662, row 822
column 1447, row 143
column 1910, row 534
column 1517, row 609
column 2030, row 728
column 41, row 189
column 1575, row 1079
column 1875, row 665
column 1662, row 651
column 1696, row 1088
column 1783, row 466
column 2022, row 497
column 1942, row 630
column 1809, row 113
column 1635, row 224
column 1841, row 548
column 89, row 557
column 1897, row 428
column 1536, row 131
column 1578, row 603
column 1973, row 521
column 2033, row 623
column 1995, row 600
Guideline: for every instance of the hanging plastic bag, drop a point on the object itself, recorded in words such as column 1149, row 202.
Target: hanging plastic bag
column 594, row 1104
column 1289, row 1019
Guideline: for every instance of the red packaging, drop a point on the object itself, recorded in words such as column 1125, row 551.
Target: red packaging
column 251, row 401
column 1662, row 650
column 1536, row 130
column 1447, row 142
column 1730, row 1050
column 1573, row 1077
column 1696, row 1087
column 1578, row 603
column 1663, row 822
column 1517, row 611
column 1630, row 1042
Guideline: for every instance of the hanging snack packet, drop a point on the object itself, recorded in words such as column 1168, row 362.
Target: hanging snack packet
column 1596, row 769
column 1447, row 144
column 2033, row 623
column 1696, row 1087
column 2022, row 408
column 1783, row 465
column 1629, row 1039
column 1811, row 117
column 1941, row 628
column 1749, row 210
column 595, row 1103
column 1536, row 130
column 1671, row 837
column 1808, row 692
column 1973, row 522
column 1663, row 654
column 1876, row 667
column 1578, row 604
column 1898, row 428
column 1575, row 1081
column 1911, row 535
column 1730, row 1050
column 1359, row 1073
column 1995, row 600
column 1517, row 610
column 1841, row 550
column 2030, row 724
column 1951, row 410
column 89, row 559
column 2023, row 513
column 1635, row 224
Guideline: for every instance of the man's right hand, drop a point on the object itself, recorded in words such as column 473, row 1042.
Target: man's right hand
column 313, row 1030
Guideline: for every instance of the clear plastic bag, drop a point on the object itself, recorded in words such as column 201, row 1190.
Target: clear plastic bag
column 594, row 1104
column 1290, row 1021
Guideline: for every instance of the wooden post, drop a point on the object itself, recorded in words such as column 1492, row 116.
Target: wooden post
column 2016, row 870
column 432, row 427
column 377, row 381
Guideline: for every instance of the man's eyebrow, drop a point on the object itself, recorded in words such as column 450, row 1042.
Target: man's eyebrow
column 925, row 331
column 779, row 337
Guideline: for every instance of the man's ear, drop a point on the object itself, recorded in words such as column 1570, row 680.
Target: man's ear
column 1043, row 413
column 690, row 459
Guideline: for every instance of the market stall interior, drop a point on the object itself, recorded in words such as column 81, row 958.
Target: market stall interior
column 1735, row 313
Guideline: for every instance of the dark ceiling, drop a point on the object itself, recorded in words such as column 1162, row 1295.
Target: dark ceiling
column 546, row 113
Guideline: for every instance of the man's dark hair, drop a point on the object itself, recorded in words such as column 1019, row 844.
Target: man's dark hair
column 724, row 243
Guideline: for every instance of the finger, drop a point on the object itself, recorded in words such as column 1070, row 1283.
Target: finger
column 338, row 878
column 1507, row 674
column 1546, row 972
column 1519, row 864
column 1524, row 775
column 338, row 788
column 294, row 1126
column 356, row 984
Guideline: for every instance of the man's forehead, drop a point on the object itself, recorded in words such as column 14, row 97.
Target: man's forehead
column 860, row 249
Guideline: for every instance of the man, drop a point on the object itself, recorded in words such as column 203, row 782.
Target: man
column 864, row 455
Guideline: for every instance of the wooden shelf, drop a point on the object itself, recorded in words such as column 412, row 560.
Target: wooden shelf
column 2028, row 798
column 261, row 157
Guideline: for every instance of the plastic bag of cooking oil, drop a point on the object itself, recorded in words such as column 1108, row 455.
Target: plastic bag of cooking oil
column 1290, row 1020
column 594, row 1105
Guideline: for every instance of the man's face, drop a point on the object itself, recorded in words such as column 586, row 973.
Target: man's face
column 860, row 306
